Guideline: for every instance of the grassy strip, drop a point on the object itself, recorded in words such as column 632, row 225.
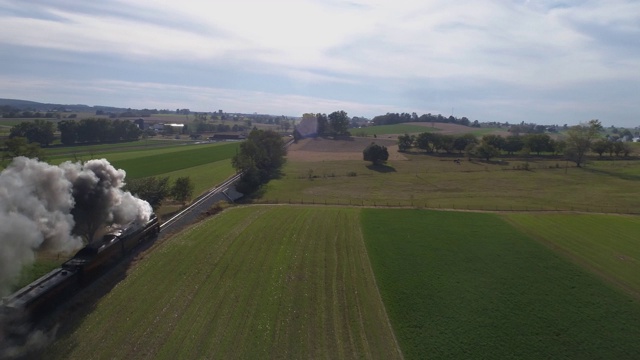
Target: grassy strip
column 254, row 282
column 469, row 286
column 607, row 244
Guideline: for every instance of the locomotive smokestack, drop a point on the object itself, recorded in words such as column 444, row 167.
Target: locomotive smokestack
column 51, row 207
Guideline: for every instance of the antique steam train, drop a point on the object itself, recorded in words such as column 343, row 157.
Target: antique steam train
column 33, row 301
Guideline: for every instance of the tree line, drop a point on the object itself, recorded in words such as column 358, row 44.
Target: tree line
column 8, row 111
column 97, row 130
column 72, row 132
column 397, row 118
column 335, row 124
column 579, row 141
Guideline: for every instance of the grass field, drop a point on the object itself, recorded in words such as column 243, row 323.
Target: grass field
column 608, row 245
column 438, row 182
column 254, row 282
column 470, row 286
column 143, row 162
column 392, row 129
column 161, row 163
column 82, row 152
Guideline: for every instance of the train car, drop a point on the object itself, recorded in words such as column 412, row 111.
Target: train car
column 96, row 257
column 36, row 299
column 134, row 235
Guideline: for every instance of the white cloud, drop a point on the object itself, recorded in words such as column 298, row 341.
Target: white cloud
column 166, row 96
column 398, row 45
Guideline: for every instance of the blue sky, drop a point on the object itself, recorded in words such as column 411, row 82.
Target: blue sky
column 547, row 62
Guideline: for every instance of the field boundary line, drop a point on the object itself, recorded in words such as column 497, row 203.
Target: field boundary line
column 375, row 282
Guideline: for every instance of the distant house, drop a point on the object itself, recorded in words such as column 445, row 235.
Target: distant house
column 140, row 123
column 161, row 127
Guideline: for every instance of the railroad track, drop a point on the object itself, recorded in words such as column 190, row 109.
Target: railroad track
column 205, row 201
column 202, row 203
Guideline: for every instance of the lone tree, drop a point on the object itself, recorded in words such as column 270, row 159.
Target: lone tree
column 182, row 189
column 375, row 153
column 260, row 159
column 580, row 139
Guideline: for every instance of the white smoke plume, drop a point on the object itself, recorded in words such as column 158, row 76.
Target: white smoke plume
column 53, row 207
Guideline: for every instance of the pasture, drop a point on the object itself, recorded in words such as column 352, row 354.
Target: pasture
column 436, row 181
column 469, row 286
column 253, row 282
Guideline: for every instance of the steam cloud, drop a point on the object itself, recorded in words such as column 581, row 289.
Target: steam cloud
column 46, row 207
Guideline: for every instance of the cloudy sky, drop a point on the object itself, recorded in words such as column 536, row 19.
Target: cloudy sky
column 547, row 62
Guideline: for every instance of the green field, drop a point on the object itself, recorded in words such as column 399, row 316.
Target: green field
column 298, row 282
column 143, row 162
column 437, row 182
column 392, row 129
column 607, row 245
column 58, row 154
column 469, row 286
column 161, row 163
column 254, row 282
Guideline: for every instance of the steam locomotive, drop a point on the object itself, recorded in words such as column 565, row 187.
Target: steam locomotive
column 38, row 298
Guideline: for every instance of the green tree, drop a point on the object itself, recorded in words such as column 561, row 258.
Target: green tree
column 446, row 142
column 19, row 146
column 486, row 151
column 339, row 123
column 323, row 124
column 537, row 142
column 68, row 132
column 496, row 141
column 151, row 189
column 579, row 140
column 424, row 141
column 260, row 158
column 600, row 146
column 618, row 148
column 405, row 142
column 182, row 189
column 460, row 143
column 38, row 131
column 375, row 153
column 513, row 144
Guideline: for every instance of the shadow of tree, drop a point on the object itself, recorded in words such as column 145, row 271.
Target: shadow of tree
column 381, row 168
column 612, row 174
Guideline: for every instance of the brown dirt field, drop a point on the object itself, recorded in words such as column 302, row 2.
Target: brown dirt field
column 319, row 149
